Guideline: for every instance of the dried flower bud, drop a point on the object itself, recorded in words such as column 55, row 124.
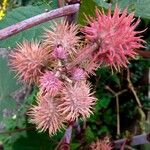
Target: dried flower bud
column 50, row 83
column 78, row 74
column 59, row 52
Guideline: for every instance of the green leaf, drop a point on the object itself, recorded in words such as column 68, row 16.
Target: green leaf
column 17, row 15
column 141, row 8
column 105, row 102
column 116, row 79
column 38, row 141
column 35, row 141
column 74, row 146
column 89, row 135
column 8, row 85
column 103, row 130
column 110, row 117
column 55, row 4
column 102, row 3
column 87, row 7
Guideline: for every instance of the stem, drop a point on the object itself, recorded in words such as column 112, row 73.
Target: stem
column 116, row 94
column 131, row 87
column 144, row 54
column 36, row 20
column 64, row 144
column 118, row 115
column 136, row 140
column 65, row 141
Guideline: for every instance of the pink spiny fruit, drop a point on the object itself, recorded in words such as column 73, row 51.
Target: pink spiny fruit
column 77, row 101
column 101, row 145
column 28, row 60
column 45, row 114
column 116, row 36
column 50, row 83
column 64, row 35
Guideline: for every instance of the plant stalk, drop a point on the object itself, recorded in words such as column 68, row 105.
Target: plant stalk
column 36, row 20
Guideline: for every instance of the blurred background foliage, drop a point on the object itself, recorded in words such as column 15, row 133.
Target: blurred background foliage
column 15, row 131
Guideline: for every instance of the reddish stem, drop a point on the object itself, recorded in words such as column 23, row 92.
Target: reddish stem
column 36, row 20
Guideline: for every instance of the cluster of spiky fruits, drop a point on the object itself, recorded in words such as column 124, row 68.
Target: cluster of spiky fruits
column 61, row 63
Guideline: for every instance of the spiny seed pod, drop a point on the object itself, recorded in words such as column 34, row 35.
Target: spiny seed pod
column 116, row 36
column 28, row 60
column 77, row 101
column 46, row 115
column 62, row 35
column 100, row 145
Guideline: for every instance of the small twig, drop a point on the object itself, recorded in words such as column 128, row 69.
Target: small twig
column 36, row 20
column 135, row 140
column 117, row 105
column 115, row 93
column 144, row 54
column 121, row 92
column 110, row 90
column 118, row 115
column 131, row 87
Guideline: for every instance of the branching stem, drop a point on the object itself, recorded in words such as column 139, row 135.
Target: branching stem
column 117, row 105
column 131, row 87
